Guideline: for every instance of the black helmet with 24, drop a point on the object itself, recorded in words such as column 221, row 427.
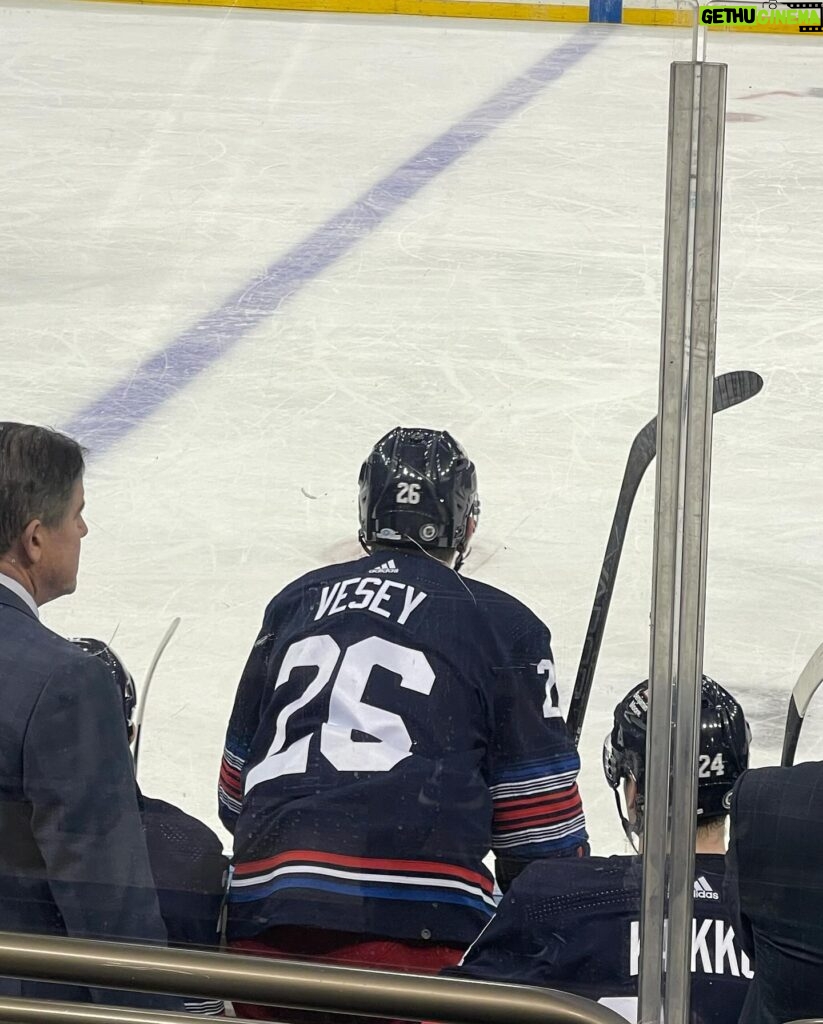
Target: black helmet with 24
column 723, row 756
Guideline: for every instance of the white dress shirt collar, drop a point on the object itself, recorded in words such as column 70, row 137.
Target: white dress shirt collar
column 20, row 591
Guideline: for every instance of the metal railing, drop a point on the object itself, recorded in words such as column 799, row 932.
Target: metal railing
column 283, row 983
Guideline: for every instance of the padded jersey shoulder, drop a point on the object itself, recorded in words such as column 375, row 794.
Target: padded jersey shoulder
column 512, row 620
column 571, row 882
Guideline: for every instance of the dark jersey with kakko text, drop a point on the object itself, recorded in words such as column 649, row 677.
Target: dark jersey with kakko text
column 574, row 925
column 394, row 722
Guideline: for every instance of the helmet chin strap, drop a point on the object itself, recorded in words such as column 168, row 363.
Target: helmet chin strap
column 461, row 558
column 631, row 831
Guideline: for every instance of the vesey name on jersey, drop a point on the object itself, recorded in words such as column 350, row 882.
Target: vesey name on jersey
column 714, row 950
column 386, row 598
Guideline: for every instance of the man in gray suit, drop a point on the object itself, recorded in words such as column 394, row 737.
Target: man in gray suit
column 73, row 857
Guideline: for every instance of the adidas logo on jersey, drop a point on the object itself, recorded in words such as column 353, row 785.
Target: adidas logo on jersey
column 386, row 567
column 703, row 891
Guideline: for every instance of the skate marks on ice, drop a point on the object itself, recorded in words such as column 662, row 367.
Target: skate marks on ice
column 125, row 405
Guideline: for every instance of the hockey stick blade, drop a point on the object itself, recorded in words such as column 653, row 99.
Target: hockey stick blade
column 805, row 688
column 144, row 692
column 729, row 389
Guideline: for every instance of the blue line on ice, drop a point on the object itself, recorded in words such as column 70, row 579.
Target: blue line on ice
column 161, row 376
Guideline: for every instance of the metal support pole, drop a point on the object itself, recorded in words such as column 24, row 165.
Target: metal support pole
column 711, row 83
column 694, row 180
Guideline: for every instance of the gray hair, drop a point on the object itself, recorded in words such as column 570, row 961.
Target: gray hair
column 38, row 470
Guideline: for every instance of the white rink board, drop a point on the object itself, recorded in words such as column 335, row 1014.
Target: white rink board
column 162, row 158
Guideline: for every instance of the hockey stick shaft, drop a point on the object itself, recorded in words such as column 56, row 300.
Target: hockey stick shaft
column 807, row 685
column 729, row 389
column 144, row 692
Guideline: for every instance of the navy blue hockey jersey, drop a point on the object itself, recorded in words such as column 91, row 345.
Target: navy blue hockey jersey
column 189, row 871
column 394, row 723
column 574, row 926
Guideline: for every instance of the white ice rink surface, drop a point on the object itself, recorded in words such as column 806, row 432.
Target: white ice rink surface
column 156, row 162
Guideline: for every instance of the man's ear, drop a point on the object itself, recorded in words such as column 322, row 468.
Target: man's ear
column 31, row 541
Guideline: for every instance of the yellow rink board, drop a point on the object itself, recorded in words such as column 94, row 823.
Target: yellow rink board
column 483, row 9
column 430, row 8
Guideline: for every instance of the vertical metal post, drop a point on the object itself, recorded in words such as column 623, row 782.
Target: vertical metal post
column 694, row 182
column 711, row 114
column 666, row 573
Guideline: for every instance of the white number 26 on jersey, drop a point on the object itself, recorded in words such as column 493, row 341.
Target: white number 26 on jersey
column 347, row 712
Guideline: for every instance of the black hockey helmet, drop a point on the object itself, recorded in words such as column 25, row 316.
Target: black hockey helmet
column 418, row 488
column 723, row 756
column 120, row 675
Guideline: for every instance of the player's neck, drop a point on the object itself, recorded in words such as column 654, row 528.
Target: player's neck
column 711, row 841
column 447, row 560
column 707, row 841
